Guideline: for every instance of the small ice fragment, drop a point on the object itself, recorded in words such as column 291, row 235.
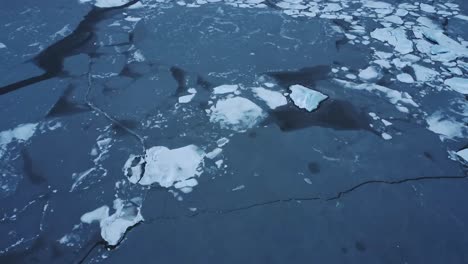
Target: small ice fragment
column 238, row 188
column 272, row 98
column 2, row 46
column 222, row 141
column 405, row 78
column 269, row 85
column 386, row 136
column 214, row 153
column 369, row 73
column 307, row 180
column 351, row 76
column 306, row 98
column 463, row 154
column 458, row 84
column 186, row 98
column 219, row 163
column 386, row 123
column 225, row 88
column 192, row 90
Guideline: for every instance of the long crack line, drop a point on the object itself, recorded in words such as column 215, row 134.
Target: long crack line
column 91, row 105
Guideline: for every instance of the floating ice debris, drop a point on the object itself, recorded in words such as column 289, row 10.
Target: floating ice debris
column 20, row 134
column 307, row 180
column 113, row 227
column 446, row 49
column 394, row 19
column 79, row 177
column 445, row 126
column 214, row 153
column 405, row 78
column 427, row 8
column 219, row 163
column 395, row 37
column 386, row 136
column 458, row 84
column 225, row 88
column 236, row 113
column 186, row 98
column 2, row 46
column 463, row 154
column 395, row 97
column 377, row 5
column 306, row 98
column 108, row 3
column 272, row 98
column 424, row 74
column 222, row 141
column 165, row 166
column 369, row 73
column 386, row 123
column 238, row 188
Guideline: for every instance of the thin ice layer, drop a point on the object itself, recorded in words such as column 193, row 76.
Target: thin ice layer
column 236, row 113
column 306, row 98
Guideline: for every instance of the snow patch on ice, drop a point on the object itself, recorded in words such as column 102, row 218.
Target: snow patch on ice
column 21, row 133
column 446, row 126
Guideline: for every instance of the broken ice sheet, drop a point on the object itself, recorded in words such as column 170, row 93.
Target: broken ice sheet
column 20, row 134
column 114, row 227
column 306, row 98
column 165, row 166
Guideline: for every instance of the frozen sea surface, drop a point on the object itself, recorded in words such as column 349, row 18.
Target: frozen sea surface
column 233, row 131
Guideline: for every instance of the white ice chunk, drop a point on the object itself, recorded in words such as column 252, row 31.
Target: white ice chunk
column 386, row 123
column 394, row 19
column 186, row 98
column 424, row 74
column 272, row 98
column 395, row 37
column 2, row 46
column 225, row 88
column 110, row 3
column 463, row 154
column 214, row 153
column 386, row 136
column 458, row 84
column 427, row 8
column 113, row 227
column 405, row 78
column 166, row 166
column 306, row 98
column 236, row 113
column 369, row 73
column 222, row 141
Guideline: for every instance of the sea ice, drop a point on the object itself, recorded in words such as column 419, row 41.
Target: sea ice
column 272, row 98
column 306, row 98
column 458, row 84
column 225, row 88
column 236, row 113
column 395, row 37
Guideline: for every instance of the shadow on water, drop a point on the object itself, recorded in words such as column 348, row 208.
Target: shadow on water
column 79, row 41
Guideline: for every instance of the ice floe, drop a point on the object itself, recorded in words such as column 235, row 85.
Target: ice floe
column 114, row 227
column 272, row 98
column 458, row 84
column 165, row 166
column 225, row 88
column 306, row 98
column 236, row 113
column 405, row 78
column 395, row 37
column 2, row 46
column 368, row 74
column 186, row 98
